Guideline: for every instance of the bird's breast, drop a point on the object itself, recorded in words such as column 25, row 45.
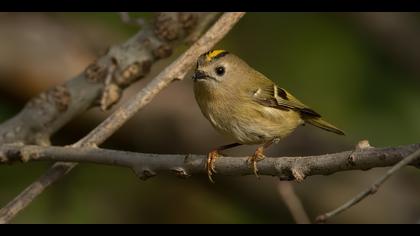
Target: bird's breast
column 242, row 119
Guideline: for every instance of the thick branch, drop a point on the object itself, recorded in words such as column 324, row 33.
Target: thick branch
column 147, row 165
column 102, row 83
column 176, row 70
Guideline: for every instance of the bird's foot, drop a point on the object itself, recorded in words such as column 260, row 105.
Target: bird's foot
column 211, row 159
column 252, row 161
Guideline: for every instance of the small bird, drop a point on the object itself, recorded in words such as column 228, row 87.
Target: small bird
column 243, row 104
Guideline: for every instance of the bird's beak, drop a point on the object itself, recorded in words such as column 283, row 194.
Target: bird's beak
column 199, row 74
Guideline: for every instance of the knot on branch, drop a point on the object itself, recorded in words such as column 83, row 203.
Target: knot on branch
column 17, row 152
column 132, row 62
column 144, row 173
column 162, row 51
column 283, row 171
column 96, row 72
column 124, row 68
column 292, row 170
column 61, row 97
column 125, row 64
column 363, row 144
column 188, row 20
column 180, row 172
column 171, row 26
column 129, row 74
column 299, row 173
column 28, row 154
column 111, row 95
column 351, row 160
column 58, row 97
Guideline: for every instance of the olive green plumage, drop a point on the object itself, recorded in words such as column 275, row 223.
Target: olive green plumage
column 245, row 105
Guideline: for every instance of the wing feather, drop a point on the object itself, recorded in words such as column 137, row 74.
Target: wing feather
column 276, row 97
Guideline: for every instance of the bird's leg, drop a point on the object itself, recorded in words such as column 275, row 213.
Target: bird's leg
column 213, row 155
column 258, row 156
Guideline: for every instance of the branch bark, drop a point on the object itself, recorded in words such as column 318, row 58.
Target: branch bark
column 147, row 165
column 177, row 70
column 372, row 189
column 102, row 83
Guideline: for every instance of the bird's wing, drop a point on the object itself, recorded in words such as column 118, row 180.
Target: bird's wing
column 273, row 96
column 269, row 94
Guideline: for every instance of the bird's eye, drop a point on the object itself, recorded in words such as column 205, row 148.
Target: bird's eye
column 220, row 70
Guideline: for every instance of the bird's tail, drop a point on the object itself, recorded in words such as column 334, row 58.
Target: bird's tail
column 320, row 123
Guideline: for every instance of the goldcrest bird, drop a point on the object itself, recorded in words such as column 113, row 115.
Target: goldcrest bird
column 243, row 104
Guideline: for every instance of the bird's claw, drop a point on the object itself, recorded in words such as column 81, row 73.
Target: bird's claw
column 252, row 161
column 211, row 159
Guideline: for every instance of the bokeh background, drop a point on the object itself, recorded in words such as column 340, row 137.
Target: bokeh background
column 360, row 70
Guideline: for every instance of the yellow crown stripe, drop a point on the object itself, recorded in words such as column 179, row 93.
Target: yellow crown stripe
column 213, row 54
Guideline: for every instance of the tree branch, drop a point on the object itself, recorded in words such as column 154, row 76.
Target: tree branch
column 372, row 189
column 176, row 70
column 147, row 165
column 293, row 202
column 102, row 83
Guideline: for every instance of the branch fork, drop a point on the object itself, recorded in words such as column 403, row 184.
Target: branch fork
column 104, row 81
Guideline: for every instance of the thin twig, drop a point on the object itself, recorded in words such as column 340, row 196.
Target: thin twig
column 293, row 202
column 176, row 70
column 413, row 157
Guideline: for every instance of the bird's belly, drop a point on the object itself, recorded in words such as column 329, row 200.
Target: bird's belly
column 255, row 127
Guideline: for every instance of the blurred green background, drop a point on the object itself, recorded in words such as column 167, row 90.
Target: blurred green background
column 357, row 69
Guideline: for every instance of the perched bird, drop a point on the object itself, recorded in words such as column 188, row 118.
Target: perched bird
column 243, row 104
